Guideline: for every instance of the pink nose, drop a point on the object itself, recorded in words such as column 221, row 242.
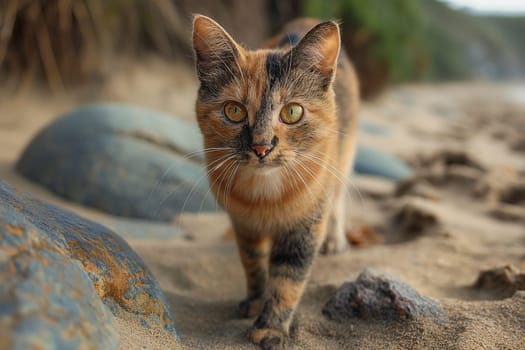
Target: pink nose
column 262, row 150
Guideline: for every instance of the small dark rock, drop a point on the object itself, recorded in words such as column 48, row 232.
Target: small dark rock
column 514, row 193
column 381, row 297
column 518, row 144
column 463, row 176
column 451, row 158
column 417, row 187
column 504, row 281
column 412, row 220
column 507, row 212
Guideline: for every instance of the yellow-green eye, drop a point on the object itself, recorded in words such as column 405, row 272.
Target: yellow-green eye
column 234, row 111
column 291, row 113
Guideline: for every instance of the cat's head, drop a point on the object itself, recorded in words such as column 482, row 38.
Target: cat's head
column 270, row 108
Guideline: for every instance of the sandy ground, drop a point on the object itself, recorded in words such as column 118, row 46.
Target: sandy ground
column 472, row 207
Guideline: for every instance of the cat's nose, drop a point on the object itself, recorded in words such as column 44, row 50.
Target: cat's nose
column 262, row 149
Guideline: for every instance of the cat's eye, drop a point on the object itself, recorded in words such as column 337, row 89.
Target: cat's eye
column 234, row 111
column 291, row 113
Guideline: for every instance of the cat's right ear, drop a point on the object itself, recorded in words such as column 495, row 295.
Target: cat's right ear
column 214, row 47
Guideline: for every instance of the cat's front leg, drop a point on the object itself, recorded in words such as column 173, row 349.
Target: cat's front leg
column 254, row 252
column 290, row 261
column 336, row 241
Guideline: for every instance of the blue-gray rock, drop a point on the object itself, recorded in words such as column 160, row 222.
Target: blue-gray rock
column 377, row 163
column 372, row 129
column 381, row 297
column 123, row 160
column 62, row 277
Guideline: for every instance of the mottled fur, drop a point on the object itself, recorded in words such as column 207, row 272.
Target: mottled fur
column 285, row 205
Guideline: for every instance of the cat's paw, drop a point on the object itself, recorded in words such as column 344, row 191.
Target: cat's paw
column 250, row 307
column 268, row 339
column 334, row 245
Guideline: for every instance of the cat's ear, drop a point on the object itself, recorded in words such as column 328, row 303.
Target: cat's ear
column 319, row 48
column 214, row 47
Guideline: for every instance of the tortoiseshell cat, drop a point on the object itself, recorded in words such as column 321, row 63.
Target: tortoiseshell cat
column 279, row 130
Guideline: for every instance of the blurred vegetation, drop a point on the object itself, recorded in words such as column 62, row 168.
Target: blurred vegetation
column 384, row 38
column 65, row 42
column 406, row 40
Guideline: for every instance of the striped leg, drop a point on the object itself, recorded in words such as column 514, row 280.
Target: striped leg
column 290, row 261
column 254, row 254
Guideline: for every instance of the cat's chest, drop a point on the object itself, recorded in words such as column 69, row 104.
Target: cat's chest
column 265, row 184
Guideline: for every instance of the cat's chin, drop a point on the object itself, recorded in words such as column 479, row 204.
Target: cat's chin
column 263, row 166
column 265, row 169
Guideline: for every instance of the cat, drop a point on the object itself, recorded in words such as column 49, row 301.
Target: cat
column 279, row 128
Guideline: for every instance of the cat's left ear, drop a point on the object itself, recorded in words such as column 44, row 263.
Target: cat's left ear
column 319, row 48
column 214, row 48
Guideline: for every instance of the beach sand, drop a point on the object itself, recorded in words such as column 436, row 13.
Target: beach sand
column 463, row 213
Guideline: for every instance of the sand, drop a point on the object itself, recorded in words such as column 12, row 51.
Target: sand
column 463, row 213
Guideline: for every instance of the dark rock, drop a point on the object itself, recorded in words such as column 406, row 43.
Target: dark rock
column 503, row 281
column 462, row 176
column 61, row 275
column 123, row 160
column 413, row 220
column 417, row 187
column 514, row 193
column 507, row 212
column 519, row 145
column 381, row 297
column 449, row 158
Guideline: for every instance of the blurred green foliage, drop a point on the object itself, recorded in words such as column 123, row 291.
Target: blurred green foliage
column 392, row 30
column 425, row 39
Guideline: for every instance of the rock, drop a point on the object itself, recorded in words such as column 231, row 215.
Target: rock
column 507, row 212
column 413, row 220
column 381, row 297
column 501, row 185
column 503, row 281
column 462, row 176
column 373, row 162
column 362, row 236
column 518, row 144
column 123, row 160
column 417, row 187
column 514, row 193
column 61, row 278
column 449, row 158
